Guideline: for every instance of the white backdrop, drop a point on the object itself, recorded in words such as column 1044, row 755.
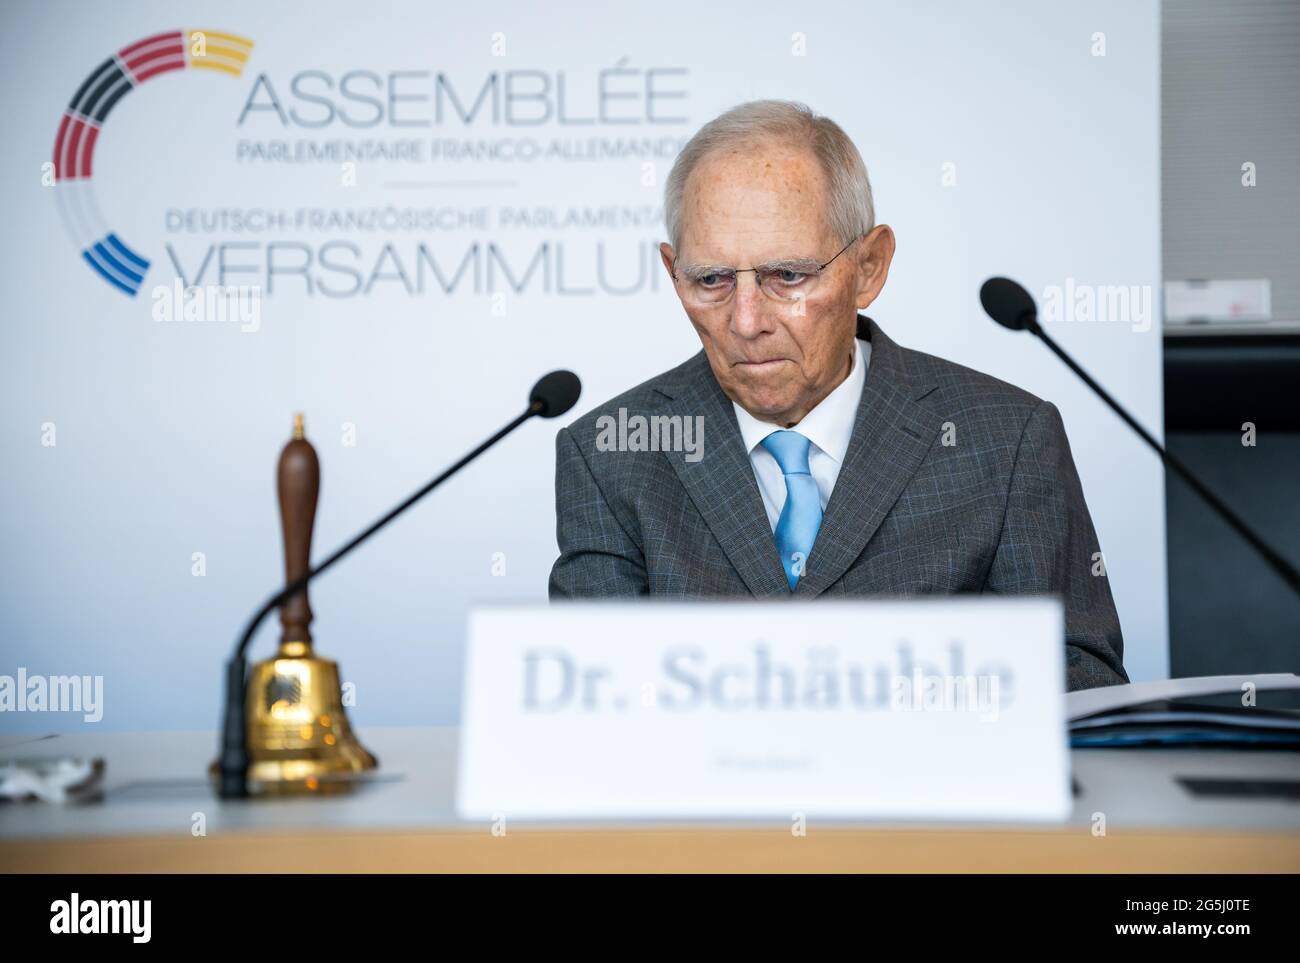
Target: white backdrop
column 167, row 432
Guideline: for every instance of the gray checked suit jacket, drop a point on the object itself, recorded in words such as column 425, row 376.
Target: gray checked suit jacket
column 1001, row 511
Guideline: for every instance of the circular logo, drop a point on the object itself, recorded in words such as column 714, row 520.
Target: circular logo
column 74, row 146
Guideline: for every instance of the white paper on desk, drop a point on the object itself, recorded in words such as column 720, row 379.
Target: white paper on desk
column 1087, row 702
column 766, row 710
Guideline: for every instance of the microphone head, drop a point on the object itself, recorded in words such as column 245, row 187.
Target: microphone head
column 1007, row 303
column 555, row 393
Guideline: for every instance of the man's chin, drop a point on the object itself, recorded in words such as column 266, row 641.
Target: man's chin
column 763, row 405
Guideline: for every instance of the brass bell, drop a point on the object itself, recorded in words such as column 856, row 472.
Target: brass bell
column 299, row 739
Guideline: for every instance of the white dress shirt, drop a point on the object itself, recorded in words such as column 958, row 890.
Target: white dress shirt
column 829, row 427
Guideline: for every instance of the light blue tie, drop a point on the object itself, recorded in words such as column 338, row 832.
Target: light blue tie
column 796, row 529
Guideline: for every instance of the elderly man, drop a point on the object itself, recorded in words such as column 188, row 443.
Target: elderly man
column 824, row 470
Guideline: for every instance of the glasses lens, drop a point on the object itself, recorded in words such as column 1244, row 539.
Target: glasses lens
column 788, row 283
column 711, row 288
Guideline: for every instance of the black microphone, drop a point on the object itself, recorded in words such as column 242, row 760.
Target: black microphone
column 1010, row 305
column 551, row 397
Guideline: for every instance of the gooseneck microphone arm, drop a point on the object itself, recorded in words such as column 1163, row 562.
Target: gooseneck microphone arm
column 555, row 394
column 1011, row 306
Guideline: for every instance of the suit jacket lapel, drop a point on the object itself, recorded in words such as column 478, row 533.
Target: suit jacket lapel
column 891, row 435
column 722, row 484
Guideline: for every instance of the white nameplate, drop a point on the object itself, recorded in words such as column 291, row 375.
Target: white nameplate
column 947, row 709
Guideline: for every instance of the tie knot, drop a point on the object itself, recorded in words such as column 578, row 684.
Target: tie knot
column 790, row 449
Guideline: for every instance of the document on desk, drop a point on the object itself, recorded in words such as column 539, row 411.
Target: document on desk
column 936, row 709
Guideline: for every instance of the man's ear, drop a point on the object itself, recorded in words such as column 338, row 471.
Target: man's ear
column 668, row 257
column 875, row 254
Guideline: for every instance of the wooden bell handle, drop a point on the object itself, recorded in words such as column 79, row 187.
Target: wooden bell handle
column 298, row 481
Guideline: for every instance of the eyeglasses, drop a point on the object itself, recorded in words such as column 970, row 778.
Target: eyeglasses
column 792, row 279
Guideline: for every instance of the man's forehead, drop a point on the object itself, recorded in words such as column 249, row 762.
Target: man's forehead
column 748, row 250
column 763, row 203
column 761, row 159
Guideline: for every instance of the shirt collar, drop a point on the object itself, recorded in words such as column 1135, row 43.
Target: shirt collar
column 829, row 426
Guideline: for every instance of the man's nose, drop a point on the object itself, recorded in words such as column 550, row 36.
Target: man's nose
column 748, row 311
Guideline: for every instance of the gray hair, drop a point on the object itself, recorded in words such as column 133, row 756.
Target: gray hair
column 852, row 212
